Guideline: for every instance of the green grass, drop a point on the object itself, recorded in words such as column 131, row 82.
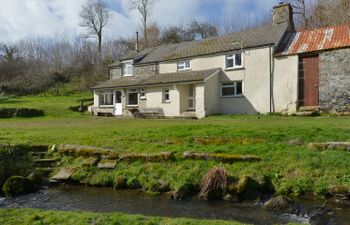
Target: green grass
column 39, row 217
column 293, row 169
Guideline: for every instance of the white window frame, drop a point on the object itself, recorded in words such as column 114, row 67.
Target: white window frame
column 132, row 91
column 127, row 64
column 165, row 92
column 233, row 58
column 105, row 94
column 142, row 93
column 230, row 85
column 183, row 66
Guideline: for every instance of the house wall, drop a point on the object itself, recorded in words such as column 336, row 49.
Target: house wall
column 255, row 75
column 115, row 73
column 142, row 70
column 334, row 78
column 212, row 95
column 154, row 97
column 285, row 84
column 145, row 70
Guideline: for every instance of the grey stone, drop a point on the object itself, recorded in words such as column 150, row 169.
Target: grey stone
column 107, row 164
column 334, row 80
column 63, row 174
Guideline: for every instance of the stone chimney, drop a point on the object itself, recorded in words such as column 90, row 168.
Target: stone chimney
column 283, row 13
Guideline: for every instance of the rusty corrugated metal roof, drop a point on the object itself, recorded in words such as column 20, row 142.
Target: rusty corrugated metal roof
column 314, row 40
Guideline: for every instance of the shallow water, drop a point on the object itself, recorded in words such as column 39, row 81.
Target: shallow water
column 134, row 202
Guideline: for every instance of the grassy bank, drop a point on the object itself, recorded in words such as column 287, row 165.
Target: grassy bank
column 293, row 169
column 34, row 216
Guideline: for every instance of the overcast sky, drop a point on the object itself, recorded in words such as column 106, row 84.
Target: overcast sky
column 23, row 18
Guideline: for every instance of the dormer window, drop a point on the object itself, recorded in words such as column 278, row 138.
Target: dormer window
column 184, row 65
column 128, row 69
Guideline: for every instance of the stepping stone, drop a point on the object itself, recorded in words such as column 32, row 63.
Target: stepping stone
column 90, row 161
column 63, row 174
column 345, row 146
column 107, row 164
column 45, row 162
column 225, row 158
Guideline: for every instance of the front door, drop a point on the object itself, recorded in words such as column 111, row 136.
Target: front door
column 118, row 110
column 309, row 81
column 191, row 98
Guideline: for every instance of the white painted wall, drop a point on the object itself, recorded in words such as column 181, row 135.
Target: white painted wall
column 256, row 82
column 212, row 94
column 286, row 84
column 154, row 98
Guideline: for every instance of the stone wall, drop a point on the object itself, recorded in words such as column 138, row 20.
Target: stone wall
column 335, row 80
column 145, row 70
column 115, row 73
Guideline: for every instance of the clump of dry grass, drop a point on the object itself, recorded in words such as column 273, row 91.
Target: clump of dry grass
column 214, row 184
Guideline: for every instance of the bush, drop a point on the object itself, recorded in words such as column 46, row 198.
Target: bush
column 13, row 161
column 25, row 112
column 7, row 113
column 18, row 185
column 20, row 112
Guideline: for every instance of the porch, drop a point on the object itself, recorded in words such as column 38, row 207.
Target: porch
column 178, row 100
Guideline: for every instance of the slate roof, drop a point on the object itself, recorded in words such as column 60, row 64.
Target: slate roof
column 164, row 78
column 319, row 39
column 261, row 36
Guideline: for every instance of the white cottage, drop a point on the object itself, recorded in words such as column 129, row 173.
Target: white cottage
column 236, row 73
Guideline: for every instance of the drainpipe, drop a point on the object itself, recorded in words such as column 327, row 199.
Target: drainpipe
column 272, row 108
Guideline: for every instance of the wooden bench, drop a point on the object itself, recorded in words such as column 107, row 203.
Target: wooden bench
column 150, row 113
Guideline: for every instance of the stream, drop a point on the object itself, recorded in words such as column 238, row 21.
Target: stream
column 73, row 198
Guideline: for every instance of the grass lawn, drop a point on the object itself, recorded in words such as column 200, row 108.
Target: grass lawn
column 293, row 168
column 33, row 216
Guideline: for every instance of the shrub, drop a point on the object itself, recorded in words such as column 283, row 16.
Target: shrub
column 20, row 112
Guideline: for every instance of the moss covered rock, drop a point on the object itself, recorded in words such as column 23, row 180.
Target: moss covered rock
column 248, row 188
column 281, row 204
column 120, row 182
column 340, row 191
column 18, row 185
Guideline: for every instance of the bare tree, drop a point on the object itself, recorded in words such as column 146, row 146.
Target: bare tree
column 204, row 29
column 144, row 7
column 238, row 21
column 94, row 17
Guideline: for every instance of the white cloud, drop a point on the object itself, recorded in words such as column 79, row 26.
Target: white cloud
column 22, row 18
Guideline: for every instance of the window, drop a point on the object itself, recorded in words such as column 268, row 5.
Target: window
column 106, row 98
column 132, row 97
column 184, row 65
column 234, row 61
column 142, row 93
column 128, row 69
column 166, row 95
column 232, row 89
